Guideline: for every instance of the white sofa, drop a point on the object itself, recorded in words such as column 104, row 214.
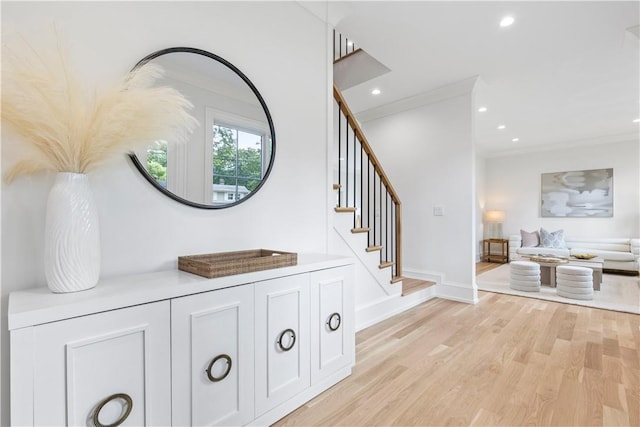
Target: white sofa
column 622, row 255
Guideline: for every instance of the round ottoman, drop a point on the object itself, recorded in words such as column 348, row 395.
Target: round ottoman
column 524, row 276
column 574, row 282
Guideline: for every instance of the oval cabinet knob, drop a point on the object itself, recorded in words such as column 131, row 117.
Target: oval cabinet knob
column 210, row 375
column 128, row 404
column 334, row 322
column 292, row 340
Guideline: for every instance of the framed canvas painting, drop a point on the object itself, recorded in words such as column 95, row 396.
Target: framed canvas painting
column 586, row 193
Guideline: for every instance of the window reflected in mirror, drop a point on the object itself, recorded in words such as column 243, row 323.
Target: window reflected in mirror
column 231, row 154
column 237, row 164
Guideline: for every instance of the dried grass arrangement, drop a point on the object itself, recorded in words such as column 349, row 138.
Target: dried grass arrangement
column 67, row 129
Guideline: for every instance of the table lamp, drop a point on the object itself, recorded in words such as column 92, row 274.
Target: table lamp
column 493, row 224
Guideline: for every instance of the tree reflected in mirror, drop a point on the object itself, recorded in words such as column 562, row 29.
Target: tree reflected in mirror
column 237, row 163
column 157, row 162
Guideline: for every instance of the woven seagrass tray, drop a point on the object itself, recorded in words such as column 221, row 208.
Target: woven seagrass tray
column 230, row 263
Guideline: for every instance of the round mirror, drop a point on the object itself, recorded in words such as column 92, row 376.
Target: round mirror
column 231, row 153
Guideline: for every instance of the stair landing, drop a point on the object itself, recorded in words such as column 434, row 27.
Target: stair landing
column 410, row 286
column 357, row 68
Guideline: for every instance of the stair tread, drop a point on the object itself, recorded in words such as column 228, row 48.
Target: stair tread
column 337, row 186
column 360, row 230
column 410, row 286
column 342, row 210
column 396, row 279
column 386, row 264
column 374, row 248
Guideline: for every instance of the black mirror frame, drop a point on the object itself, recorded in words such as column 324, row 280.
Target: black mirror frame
column 215, row 57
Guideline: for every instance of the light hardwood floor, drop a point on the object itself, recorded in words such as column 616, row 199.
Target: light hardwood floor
column 482, row 266
column 505, row 361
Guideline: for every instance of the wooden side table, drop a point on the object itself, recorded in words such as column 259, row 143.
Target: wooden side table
column 488, row 256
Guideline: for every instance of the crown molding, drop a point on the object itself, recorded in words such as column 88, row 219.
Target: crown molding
column 560, row 145
column 431, row 97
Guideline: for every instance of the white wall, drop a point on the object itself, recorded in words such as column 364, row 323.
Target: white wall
column 480, row 203
column 512, row 184
column 280, row 46
column 428, row 154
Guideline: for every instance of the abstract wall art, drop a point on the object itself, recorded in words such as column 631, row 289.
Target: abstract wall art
column 585, row 193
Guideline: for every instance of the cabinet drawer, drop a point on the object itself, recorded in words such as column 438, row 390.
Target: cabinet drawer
column 79, row 363
column 212, row 358
column 281, row 339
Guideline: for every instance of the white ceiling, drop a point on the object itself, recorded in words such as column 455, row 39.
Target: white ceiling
column 564, row 73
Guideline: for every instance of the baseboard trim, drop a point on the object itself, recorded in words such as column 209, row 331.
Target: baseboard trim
column 458, row 292
column 385, row 308
column 431, row 276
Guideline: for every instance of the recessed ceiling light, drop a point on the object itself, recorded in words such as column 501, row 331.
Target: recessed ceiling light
column 482, row 109
column 636, row 120
column 506, row 21
column 502, row 127
column 376, row 91
column 515, row 139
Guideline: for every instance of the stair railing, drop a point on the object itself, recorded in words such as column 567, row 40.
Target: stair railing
column 365, row 189
column 342, row 46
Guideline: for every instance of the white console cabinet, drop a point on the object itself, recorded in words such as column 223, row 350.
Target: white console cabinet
column 282, row 340
column 212, row 357
column 172, row 348
column 62, row 372
column 332, row 331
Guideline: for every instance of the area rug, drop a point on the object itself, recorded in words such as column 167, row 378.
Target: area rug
column 619, row 293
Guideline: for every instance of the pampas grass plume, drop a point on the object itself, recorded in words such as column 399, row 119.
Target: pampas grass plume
column 64, row 129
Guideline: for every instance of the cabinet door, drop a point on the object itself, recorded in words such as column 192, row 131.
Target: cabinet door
column 282, row 340
column 332, row 313
column 113, row 365
column 212, row 357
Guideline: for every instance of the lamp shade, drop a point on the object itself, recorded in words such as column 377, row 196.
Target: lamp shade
column 495, row 217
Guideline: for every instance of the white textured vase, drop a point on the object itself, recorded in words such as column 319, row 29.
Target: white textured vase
column 72, row 235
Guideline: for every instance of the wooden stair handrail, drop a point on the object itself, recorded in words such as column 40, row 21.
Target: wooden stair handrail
column 337, row 95
column 344, row 108
column 398, row 240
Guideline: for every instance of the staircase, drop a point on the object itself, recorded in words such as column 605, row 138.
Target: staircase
column 367, row 205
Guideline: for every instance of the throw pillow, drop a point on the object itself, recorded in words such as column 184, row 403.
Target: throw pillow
column 552, row 240
column 530, row 240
